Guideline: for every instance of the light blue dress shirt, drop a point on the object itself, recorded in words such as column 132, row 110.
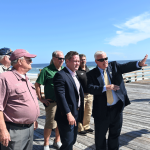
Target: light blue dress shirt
column 115, row 97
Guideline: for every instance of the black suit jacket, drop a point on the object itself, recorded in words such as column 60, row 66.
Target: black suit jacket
column 67, row 97
column 95, row 86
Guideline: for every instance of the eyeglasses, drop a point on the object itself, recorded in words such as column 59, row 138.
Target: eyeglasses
column 30, row 60
column 59, row 58
column 101, row 60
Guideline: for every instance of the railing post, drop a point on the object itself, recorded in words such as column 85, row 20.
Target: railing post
column 142, row 74
column 135, row 77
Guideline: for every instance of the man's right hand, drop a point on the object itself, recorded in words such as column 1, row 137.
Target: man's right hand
column 112, row 87
column 5, row 137
column 46, row 101
column 71, row 119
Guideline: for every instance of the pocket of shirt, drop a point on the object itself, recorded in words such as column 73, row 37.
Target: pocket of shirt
column 22, row 94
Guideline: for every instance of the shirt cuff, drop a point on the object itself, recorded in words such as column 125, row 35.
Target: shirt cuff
column 104, row 89
column 137, row 65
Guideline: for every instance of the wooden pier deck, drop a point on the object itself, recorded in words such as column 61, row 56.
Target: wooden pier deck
column 135, row 133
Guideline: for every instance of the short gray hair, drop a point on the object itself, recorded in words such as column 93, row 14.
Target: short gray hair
column 98, row 53
column 2, row 56
column 70, row 54
column 54, row 54
column 14, row 62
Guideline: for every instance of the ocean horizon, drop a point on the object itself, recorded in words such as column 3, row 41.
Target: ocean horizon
column 33, row 73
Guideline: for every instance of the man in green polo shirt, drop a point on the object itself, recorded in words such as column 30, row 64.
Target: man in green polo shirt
column 46, row 78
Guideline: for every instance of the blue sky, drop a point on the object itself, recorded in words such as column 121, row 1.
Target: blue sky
column 120, row 28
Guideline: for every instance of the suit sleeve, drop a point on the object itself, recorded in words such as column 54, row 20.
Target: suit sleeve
column 126, row 67
column 93, row 87
column 59, row 88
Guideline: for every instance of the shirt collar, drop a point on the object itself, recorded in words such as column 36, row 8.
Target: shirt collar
column 18, row 76
column 5, row 68
column 71, row 72
column 101, row 70
column 52, row 66
column 82, row 69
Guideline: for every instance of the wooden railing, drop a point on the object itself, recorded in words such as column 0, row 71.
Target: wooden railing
column 134, row 76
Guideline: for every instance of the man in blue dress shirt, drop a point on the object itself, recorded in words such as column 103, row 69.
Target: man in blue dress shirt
column 106, row 83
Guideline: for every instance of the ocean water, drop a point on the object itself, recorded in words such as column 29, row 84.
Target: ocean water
column 33, row 73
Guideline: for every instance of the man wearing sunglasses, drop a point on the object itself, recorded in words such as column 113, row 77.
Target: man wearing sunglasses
column 46, row 78
column 106, row 83
column 19, row 107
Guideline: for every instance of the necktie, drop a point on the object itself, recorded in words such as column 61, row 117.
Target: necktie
column 109, row 92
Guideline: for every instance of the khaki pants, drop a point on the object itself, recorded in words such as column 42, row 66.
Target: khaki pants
column 50, row 123
column 88, row 101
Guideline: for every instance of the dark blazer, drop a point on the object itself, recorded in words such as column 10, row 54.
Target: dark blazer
column 67, row 97
column 95, row 86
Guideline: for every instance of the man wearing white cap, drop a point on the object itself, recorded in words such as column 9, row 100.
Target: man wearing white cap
column 19, row 107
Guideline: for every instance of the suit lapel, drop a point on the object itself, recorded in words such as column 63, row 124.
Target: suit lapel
column 109, row 71
column 70, row 77
column 99, row 76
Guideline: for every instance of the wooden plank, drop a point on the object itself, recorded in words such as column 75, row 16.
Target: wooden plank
column 135, row 134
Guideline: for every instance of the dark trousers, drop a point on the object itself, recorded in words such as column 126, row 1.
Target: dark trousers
column 113, row 122
column 68, row 135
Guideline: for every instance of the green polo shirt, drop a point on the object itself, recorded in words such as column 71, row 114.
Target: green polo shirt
column 46, row 78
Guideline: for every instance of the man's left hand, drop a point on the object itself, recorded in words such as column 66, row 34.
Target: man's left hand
column 142, row 62
column 35, row 125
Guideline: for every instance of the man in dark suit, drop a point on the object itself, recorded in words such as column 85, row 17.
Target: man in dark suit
column 106, row 83
column 70, row 100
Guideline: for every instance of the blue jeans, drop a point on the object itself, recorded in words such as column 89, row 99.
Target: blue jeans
column 68, row 135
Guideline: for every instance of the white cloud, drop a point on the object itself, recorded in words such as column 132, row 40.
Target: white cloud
column 132, row 31
column 118, row 32
column 115, row 53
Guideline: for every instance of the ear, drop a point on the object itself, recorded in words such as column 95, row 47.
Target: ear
column 95, row 61
column 66, row 61
column 5, row 57
column 20, row 61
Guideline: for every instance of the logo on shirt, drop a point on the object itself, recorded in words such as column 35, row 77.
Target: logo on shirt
column 82, row 73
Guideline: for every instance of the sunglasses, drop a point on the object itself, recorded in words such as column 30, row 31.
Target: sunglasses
column 59, row 58
column 29, row 60
column 101, row 60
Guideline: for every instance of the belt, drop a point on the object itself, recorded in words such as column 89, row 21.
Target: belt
column 19, row 125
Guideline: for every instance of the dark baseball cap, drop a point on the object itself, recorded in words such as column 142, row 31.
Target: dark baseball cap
column 21, row 53
column 5, row 51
